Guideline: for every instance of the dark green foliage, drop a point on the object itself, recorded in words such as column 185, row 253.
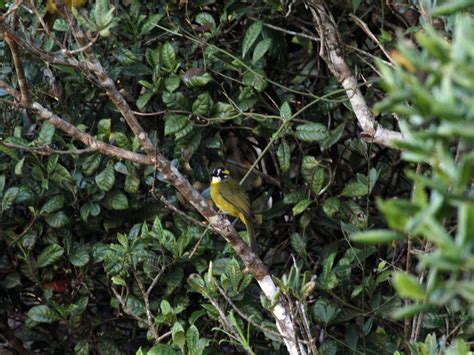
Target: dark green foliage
column 92, row 260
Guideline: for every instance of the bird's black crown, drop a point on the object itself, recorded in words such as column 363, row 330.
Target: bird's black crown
column 220, row 173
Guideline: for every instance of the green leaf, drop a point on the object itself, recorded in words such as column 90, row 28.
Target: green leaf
column 331, row 206
column 9, row 197
column 136, row 305
column 120, row 140
column 79, row 257
column 192, row 80
column 91, row 164
column 2, row 184
column 125, row 56
column 143, row 99
column 178, row 335
column 165, row 307
column 46, row 133
column 202, row 104
column 175, row 123
column 168, row 56
column 19, row 166
column 12, row 280
column 377, row 236
column 334, row 137
column 161, row 350
column 355, row 4
column 408, row 286
column 233, row 273
column 89, row 209
column 204, row 18
column 256, row 79
column 172, row 83
column 117, row 280
column 132, row 182
column 409, row 311
column 397, row 212
column 251, row 36
column 285, row 111
column 298, row 243
column 157, row 229
column 54, row 204
column 150, row 23
column 301, row 206
column 318, row 180
column 106, row 178
column 452, row 7
column 222, row 110
column 61, row 174
column 50, row 255
column 103, row 128
column 260, row 49
column 325, row 311
column 308, row 167
column 293, row 197
column 118, row 201
column 284, row 155
column 311, row 132
column 57, row 220
column 121, row 168
column 42, row 314
column 52, row 163
column 355, row 189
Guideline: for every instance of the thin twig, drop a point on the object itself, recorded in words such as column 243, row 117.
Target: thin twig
column 47, row 150
column 304, row 318
column 125, row 308
column 293, row 33
column 81, row 49
column 146, row 300
column 20, row 73
column 369, row 33
column 223, row 318
column 155, row 280
column 198, row 243
column 332, row 53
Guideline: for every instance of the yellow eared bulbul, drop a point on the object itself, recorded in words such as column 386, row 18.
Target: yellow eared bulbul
column 230, row 198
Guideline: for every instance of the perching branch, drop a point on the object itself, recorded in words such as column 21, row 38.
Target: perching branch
column 332, row 53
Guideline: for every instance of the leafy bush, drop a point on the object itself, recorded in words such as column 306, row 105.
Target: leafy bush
column 102, row 255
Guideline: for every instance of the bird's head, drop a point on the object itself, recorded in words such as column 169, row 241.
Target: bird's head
column 220, row 174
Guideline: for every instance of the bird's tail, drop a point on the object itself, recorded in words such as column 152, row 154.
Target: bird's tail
column 251, row 231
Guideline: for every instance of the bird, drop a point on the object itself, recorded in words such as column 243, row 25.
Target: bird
column 52, row 8
column 52, row 12
column 230, row 198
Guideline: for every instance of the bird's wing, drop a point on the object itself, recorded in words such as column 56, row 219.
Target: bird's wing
column 237, row 197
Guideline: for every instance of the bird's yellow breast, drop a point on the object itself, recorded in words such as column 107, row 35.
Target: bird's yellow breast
column 220, row 202
column 52, row 9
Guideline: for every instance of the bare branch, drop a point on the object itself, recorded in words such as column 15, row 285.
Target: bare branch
column 47, row 150
column 83, row 137
column 332, row 53
column 20, row 73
